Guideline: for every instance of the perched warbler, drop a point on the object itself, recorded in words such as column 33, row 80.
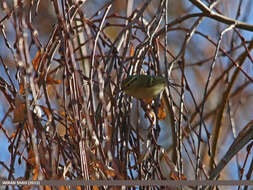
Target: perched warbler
column 143, row 86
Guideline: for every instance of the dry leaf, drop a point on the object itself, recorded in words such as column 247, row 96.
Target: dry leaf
column 31, row 158
column 131, row 49
column 20, row 110
column 51, row 81
column 110, row 172
column 36, row 60
column 21, row 88
column 61, row 129
column 35, row 173
column 174, row 176
column 12, row 135
column 47, row 187
column 27, row 187
column 161, row 113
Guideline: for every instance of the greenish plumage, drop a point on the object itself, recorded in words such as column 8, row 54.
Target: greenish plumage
column 143, row 86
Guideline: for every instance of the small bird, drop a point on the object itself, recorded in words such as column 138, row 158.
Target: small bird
column 143, row 86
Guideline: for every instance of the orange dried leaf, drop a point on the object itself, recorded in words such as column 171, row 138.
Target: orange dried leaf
column 72, row 131
column 51, row 81
column 35, row 173
column 62, row 113
column 131, row 50
column 161, row 113
column 63, row 187
column 21, row 88
column 12, row 135
column 36, row 60
column 20, row 110
column 110, row 173
column 31, row 158
column 27, row 187
column 47, row 187
column 174, row 176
